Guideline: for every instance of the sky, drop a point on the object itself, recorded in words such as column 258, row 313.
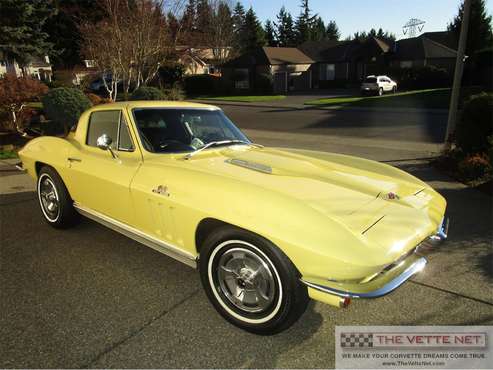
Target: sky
column 362, row 15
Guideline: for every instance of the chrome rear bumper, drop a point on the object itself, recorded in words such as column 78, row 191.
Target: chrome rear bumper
column 391, row 277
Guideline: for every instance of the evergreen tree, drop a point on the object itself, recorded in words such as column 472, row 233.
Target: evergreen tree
column 204, row 19
column 253, row 31
column 238, row 25
column 318, row 31
column 286, row 35
column 305, row 23
column 63, row 29
column 21, row 29
column 479, row 34
column 189, row 18
column 332, row 31
column 270, row 35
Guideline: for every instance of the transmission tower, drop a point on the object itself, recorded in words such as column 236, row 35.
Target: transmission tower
column 412, row 26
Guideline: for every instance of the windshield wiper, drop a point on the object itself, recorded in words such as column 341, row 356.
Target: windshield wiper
column 222, row 142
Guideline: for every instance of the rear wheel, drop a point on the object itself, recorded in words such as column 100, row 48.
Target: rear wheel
column 54, row 199
column 380, row 91
column 250, row 282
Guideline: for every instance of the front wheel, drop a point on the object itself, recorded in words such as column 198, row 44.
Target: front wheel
column 250, row 281
column 394, row 89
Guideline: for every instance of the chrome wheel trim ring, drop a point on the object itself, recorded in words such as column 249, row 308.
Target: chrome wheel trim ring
column 48, row 198
column 260, row 256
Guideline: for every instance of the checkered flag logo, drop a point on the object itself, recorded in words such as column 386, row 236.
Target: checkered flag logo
column 356, row 340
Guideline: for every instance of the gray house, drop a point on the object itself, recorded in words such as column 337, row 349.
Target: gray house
column 287, row 68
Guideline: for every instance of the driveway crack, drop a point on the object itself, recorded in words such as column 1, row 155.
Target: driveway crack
column 451, row 292
column 137, row 331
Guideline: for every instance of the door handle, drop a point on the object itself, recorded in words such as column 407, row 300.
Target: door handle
column 71, row 159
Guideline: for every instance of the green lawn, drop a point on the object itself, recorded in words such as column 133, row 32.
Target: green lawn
column 7, row 154
column 429, row 99
column 245, row 98
column 35, row 104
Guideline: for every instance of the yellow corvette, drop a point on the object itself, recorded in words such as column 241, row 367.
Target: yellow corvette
column 267, row 228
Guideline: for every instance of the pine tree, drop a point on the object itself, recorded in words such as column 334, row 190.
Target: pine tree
column 332, row 31
column 286, row 35
column 204, row 19
column 21, row 29
column 479, row 35
column 238, row 25
column 189, row 18
column 305, row 23
column 254, row 33
column 270, row 35
column 318, row 31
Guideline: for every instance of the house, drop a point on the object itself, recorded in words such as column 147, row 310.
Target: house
column 289, row 69
column 39, row 68
column 423, row 51
column 201, row 60
column 341, row 62
column 324, row 64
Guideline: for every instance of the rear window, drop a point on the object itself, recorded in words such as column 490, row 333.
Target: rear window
column 370, row 80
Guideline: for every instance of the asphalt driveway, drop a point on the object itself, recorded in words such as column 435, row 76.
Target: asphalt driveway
column 89, row 297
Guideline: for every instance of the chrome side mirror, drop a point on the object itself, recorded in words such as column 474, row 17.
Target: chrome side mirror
column 104, row 143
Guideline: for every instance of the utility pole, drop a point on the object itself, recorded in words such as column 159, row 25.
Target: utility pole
column 459, row 69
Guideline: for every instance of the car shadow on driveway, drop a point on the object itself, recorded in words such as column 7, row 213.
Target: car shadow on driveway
column 464, row 263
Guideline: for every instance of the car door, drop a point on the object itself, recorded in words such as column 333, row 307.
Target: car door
column 388, row 84
column 103, row 180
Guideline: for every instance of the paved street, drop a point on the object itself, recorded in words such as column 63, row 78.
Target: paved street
column 88, row 297
column 393, row 124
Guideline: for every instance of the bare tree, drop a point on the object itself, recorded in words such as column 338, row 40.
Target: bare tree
column 221, row 34
column 131, row 43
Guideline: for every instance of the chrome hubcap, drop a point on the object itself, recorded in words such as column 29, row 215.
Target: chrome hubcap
column 49, row 197
column 246, row 280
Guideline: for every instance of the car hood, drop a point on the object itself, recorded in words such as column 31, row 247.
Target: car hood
column 376, row 204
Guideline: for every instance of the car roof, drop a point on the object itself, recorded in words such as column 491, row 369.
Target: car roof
column 152, row 104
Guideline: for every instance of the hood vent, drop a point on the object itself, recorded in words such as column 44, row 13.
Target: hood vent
column 250, row 165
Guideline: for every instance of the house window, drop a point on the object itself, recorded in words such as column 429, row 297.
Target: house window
column 406, row 64
column 89, row 63
column 327, row 72
column 241, row 78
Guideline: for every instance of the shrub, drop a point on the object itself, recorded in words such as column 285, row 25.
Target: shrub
column 148, row 93
column 476, row 124
column 264, row 83
column 15, row 92
column 175, row 93
column 96, row 99
column 65, row 105
column 171, row 74
column 421, row 78
column 474, row 166
column 201, row 84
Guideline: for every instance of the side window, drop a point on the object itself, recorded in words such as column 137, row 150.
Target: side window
column 113, row 124
column 124, row 139
column 103, row 122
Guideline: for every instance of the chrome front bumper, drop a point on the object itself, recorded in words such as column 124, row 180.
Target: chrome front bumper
column 392, row 277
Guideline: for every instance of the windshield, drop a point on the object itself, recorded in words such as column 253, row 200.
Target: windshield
column 164, row 130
